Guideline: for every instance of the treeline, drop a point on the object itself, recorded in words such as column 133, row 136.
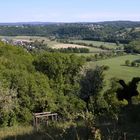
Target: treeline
column 70, row 50
column 84, row 44
column 133, row 47
column 102, row 56
column 109, row 32
column 132, row 64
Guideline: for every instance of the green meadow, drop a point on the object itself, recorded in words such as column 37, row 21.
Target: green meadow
column 117, row 67
column 99, row 43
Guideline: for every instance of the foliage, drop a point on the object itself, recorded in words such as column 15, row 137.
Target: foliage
column 113, row 107
column 74, row 50
column 47, row 82
column 8, row 106
column 133, row 47
column 63, row 71
column 127, row 62
column 91, row 85
column 133, row 64
column 128, row 91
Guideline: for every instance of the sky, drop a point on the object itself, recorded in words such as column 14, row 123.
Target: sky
column 69, row 10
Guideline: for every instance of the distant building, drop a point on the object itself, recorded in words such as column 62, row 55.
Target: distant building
column 22, row 42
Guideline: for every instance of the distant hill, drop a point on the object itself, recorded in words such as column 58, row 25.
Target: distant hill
column 113, row 23
column 110, row 31
column 26, row 23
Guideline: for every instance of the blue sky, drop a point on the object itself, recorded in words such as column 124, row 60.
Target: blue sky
column 68, row 10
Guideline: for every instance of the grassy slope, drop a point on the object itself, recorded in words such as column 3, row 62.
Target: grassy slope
column 33, row 38
column 14, row 131
column 47, row 41
column 99, row 43
column 61, row 45
column 118, row 69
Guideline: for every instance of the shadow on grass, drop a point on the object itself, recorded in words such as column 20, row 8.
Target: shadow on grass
column 51, row 133
column 32, row 136
column 128, row 125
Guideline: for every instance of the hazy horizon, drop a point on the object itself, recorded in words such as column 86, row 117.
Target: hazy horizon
column 69, row 11
column 70, row 22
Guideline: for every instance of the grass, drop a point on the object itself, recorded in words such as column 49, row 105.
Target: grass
column 14, row 131
column 25, row 37
column 85, row 54
column 56, row 131
column 65, row 132
column 52, row 44
column 33, row 38
column 61, row 45
column 117, row 68
column 99, row 43
column 137, row 29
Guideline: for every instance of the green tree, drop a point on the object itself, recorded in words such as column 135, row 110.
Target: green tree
column 133, row 64
column 113, row 105
column 127, row 62
column 8, row 106
column 91, row 84
column 133, row 47
column 63, row 72
column 117, row 43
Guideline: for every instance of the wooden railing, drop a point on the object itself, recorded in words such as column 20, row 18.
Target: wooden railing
column 45, row 116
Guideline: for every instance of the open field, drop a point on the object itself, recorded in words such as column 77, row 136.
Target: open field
column 59, row 46
column 137, row 29
column 99, row 43
column 117, row 67
column 55, row 44
column 25, row 37
column 92, row 49
column 33, row 38
column 52, row 44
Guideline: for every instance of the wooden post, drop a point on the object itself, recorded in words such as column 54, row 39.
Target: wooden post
column 47, row 120
column 56, row 118
column 124, row 135
column 52, row 118
column 34, row 121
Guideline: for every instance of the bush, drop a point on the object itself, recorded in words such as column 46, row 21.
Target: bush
column 127, row 62
column 133, row 64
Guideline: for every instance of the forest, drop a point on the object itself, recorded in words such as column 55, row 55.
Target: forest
column 122, row 31
column 61, row 82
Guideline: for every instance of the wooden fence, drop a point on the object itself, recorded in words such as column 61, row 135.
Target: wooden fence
column 44, row 117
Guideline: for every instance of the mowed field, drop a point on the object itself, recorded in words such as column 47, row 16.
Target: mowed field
column 117, row 67
column 91, row 49
column 52, row 44
column 99, row 43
